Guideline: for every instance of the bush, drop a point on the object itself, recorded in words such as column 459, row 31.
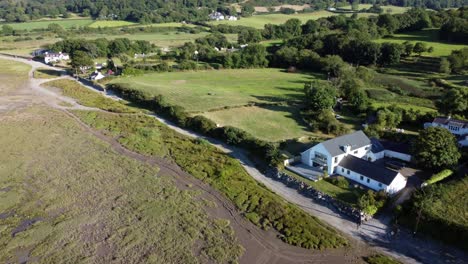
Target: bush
column 439, row 176
column 201, row 124
column 339, row 181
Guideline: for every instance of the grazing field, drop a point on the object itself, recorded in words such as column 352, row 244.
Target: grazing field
column 111, row 23
column 66, row 195
column 200, row 91
column 427, row 36
column 161, row 39
column 259, row 21
column 270, row 123
column 390, row 9
column 65, row 23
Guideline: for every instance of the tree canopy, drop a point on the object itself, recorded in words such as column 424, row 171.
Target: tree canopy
column 436, row 148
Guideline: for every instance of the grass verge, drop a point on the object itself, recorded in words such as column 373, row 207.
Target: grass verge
column 43, row 73
column 89, row 98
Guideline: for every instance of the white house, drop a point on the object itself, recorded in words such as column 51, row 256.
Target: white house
column 389, row 149
column 352, row 156
column 216, row 16
column 50, row 57
column 97, row 75
column 231, row 18
column 457, row 127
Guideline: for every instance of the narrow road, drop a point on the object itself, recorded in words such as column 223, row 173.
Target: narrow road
column 375, row 233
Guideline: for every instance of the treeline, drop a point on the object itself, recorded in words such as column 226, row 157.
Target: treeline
column 145, row 11
column 102, row 47
column 158, row 11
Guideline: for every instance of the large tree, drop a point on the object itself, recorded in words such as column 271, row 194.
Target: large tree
column 81, row 59
column 319, row 96
column 436, row 148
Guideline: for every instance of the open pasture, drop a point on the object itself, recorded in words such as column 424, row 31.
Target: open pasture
column 111, row 23
column 272, row 123
column 200, row 91
column 259, row 21
column 65, row 23
column 427, row 36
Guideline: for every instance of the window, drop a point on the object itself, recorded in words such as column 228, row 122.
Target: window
column 380, row 185
column 368, row 180
column 342, row 170
column 355, row 152
column 336, row 159
column 362, row 178
column 367, row 148
column 348, row 172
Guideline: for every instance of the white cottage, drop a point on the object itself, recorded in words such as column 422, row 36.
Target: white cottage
column 457, row 127
column 351, row 156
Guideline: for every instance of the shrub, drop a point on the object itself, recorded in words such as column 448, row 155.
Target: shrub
column 339, row 181
column 201, row 124
column 439, row 176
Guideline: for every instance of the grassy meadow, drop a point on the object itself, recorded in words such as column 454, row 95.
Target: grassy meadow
column 111, row 23
column 8, row 69
column 200, row 91
column 427, row 36
column 68, row 197
column 65, row 23
column 259, row 21
column 272, row 123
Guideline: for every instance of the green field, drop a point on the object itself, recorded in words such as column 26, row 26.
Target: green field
column 259, row 21
column 270, row 123
column 387, row 8
column 428, row 36
column 111, row 23
column 65, row 23
column 161, row 39
column 200, row 91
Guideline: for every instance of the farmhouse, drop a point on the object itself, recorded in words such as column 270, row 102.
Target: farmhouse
column 50, row 57
column 352, row 156
column 457, row 127
column 97, row 75
column 216, row 16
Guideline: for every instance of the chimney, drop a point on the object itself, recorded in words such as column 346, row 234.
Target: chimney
column 346, row 148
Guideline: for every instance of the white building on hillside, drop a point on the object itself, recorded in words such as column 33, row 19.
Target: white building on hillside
column 50, row 57
column 352, row 156
column 216, row 16
column 457, row 127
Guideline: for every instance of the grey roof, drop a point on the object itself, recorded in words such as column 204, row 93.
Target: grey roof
column 356, row 140
column 396, row 146
column 376, row 145
column 369, row 169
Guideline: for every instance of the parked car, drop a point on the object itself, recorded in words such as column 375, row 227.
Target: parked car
column 395, row 165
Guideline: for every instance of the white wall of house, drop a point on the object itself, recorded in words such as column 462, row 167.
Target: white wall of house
column 375, row 156
column 397, row 184
column 397, row 155
column 332, row 162
column 454, row 129
column 366, row 181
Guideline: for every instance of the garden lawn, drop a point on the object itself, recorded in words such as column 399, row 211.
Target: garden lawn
column 199, row 91
column 65, row 23
column 272, row 123
column 428, row 36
